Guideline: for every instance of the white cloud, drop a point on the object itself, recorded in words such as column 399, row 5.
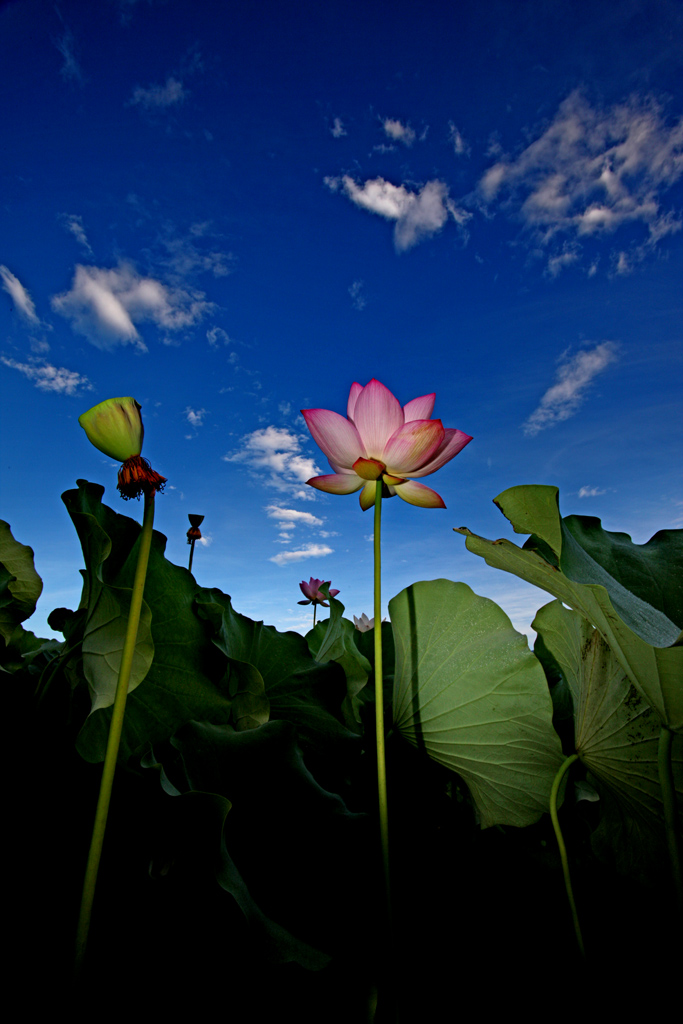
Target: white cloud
column 310, row 551
column 74, row 224
column 593, row 170
column 275, row 453
column 570, row 253
column 195, row 416
column 70, row 69
column 20, row 297
column 417, row 214
column 357, row 297
column 159, row 97
column 398, row 132
column 51, row 378
column 572, row 380
column 460, row 146
column 194, row 254
column 590, row 492
column 623, row 263
column 288, row 518
column 217, row 336
column 338, row 128
column 105, row 305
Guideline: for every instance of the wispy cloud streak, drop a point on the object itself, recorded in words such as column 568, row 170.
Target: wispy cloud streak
column 159, row 97
column 23, row 302
column 569, row 390
column 74, row 225
column 47, row 377
column 309, row 551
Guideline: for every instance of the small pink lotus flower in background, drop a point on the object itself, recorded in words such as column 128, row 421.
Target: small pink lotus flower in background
column 311, row 591
column 381, row 440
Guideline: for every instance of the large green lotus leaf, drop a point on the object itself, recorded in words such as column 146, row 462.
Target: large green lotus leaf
column 198, row 845
column 652, row 571
column 103, row 640
column 250, row 705
column 299, row 690
column 470, row 692
column 644, row 640
column 20, row 584
column 184, row 679
column 290, row 848
column 25, row 653
column 616, row 731
column 335, row 640
column 107, row 602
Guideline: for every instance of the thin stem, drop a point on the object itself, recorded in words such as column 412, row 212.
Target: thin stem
column 191, row 554
column 379, row 704
column 666, row 781
column 564, row 767
column 115, row 729
column 315, row 608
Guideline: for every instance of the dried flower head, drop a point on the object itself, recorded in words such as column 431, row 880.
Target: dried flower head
column 137, row 477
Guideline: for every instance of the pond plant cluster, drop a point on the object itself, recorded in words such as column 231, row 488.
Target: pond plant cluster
column 529, row 826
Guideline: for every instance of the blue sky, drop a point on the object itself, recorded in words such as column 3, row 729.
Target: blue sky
column 234, row 211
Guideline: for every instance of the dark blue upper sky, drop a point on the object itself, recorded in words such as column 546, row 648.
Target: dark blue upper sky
column 233, row 211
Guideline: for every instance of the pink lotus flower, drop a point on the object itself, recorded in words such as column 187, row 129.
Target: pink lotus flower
column 381, row 440
column 311, row 590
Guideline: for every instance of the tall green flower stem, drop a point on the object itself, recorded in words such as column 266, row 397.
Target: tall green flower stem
column 115, row 729
column 666, row 781
column 379, row 704
column 564, row 768
column 191, row 554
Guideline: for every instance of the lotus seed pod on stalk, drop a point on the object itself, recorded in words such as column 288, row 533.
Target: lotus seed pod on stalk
column 115, row 428
column 194, row 533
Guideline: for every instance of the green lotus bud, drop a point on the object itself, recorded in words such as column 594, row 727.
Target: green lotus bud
column 115, row 427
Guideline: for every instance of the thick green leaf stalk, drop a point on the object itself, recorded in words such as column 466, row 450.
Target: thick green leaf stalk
column 379, row 704
column 115, row 729
column 562, row 848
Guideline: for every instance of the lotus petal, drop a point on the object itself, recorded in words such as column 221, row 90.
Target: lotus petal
column 377, row 415
column 356, row 389
column 337, row 483
column 367, row 495
column 453, row 442
column 419, row 494
column 413, row 445
column 419, row 409
column 335, row 435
